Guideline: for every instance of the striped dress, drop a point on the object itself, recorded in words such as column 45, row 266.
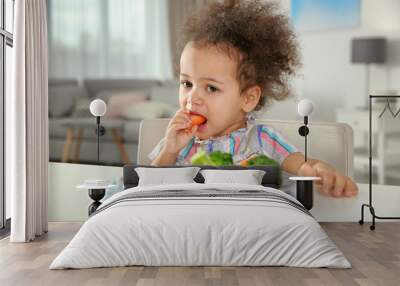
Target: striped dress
column 243, row 143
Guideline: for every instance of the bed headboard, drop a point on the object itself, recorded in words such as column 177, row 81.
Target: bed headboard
column 330, row 142
column 272, row 177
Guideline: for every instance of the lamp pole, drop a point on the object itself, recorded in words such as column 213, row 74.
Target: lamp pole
column 367, row 84
column 305, row 108
column 304, row 185
column 98, row 108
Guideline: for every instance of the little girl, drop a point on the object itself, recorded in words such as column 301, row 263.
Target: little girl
column 237, row 56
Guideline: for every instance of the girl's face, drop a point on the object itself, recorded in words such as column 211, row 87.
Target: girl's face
column 209, row 87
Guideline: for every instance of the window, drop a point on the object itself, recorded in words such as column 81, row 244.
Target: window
column 108, row 39
column 6, row 43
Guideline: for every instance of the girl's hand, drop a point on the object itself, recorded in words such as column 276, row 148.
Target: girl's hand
column 177, row 134
column 332, row 183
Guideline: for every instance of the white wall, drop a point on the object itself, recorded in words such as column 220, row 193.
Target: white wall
column 328, row 77
column 66, row 202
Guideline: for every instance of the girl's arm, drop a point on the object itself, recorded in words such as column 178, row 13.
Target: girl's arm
column 332, row 184
column 165, row 158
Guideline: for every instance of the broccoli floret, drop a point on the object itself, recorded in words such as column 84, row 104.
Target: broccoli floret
column 201, row 158
column 221, row 159
column 261, row 160
column 216, row 158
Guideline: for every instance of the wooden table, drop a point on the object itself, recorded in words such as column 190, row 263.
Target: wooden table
column 75, row 128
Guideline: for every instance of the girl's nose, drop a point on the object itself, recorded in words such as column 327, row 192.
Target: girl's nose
column 194, row 98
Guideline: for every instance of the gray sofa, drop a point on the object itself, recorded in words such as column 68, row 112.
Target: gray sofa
column 69, row 108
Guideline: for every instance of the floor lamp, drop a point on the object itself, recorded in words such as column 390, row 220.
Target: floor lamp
column 368, row 51
column 97, row 188
column 98, row 108
column 305, row 185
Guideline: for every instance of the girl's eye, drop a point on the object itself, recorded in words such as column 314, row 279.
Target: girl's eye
column 211, row 88
column 186, row 84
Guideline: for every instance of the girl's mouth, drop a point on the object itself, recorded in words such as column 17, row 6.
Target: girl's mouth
column 202, row 127
column 199, row 120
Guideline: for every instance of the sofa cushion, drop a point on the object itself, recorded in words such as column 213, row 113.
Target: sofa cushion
column 119, row 101
column 62, row 99
column 167, row 92
column 95, row 86
column 82, row 107
column 148, row 110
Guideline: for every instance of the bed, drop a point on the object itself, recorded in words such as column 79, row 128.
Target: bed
column 200, row 224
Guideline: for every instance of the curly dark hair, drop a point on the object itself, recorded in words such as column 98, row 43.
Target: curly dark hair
column 263, row 37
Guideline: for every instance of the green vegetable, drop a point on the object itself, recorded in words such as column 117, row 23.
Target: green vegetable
column 221, row 159
column 261, row 160
column 201, row 158
column 216, row 158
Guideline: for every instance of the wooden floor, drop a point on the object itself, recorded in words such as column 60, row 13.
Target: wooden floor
column 375, row 257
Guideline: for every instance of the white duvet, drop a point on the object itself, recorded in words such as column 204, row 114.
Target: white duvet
column 184, row 231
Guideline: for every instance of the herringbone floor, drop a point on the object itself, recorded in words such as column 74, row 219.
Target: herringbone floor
column 375, row 257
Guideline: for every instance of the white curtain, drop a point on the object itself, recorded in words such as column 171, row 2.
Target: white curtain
column 27, row 123
column 109, row 39
column 178, row 11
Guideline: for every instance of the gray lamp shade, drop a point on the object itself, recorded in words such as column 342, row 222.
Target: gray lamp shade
column 368, row 50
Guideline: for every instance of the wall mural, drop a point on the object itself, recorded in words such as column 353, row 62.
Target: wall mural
column 317, row 15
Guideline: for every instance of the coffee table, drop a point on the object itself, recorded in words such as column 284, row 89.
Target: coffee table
column 77, row 125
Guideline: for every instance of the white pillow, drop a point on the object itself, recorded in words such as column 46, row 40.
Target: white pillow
column 163, row 176
column 248, row 177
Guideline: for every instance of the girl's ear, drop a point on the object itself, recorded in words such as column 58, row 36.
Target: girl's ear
column 250, row 98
